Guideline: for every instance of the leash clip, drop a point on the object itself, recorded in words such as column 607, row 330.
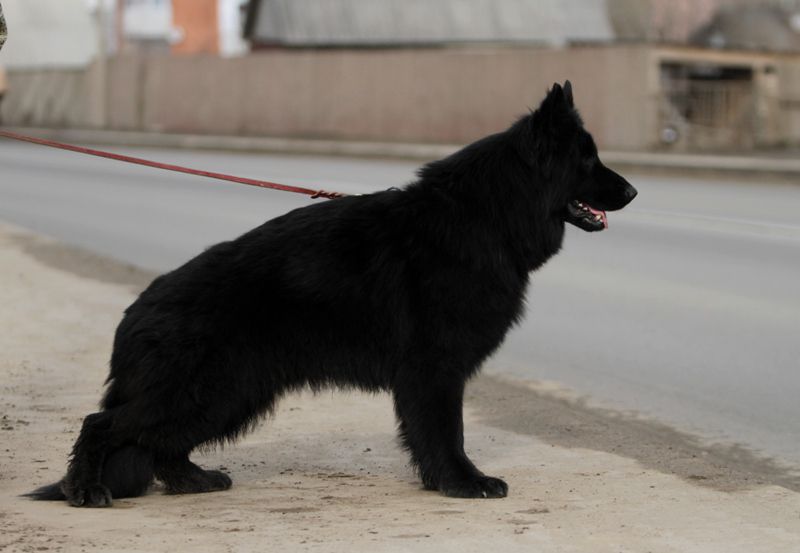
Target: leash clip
column 326, row 194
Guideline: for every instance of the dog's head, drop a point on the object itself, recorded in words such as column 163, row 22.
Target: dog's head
column 582, row 188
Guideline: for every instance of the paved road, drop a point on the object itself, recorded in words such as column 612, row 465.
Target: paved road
column 687, row 309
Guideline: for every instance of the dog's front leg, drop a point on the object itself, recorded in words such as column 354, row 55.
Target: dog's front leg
column 432, row 428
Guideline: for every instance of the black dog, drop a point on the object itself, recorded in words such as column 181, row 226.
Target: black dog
column 406, row 291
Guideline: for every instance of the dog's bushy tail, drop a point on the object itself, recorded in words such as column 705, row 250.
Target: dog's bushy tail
column 51, row 492
column 127, row 472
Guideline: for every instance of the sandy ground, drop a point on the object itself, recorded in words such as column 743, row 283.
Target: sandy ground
column 326, row 473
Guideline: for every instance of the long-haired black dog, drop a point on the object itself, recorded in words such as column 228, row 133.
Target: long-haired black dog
column 406, row 291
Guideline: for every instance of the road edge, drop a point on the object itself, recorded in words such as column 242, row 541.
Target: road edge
column 724, row 165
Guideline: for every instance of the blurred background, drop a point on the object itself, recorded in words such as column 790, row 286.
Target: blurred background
column 686, row 310
column 681, row 75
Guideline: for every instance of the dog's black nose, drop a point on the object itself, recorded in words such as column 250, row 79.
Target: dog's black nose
column 630, row 194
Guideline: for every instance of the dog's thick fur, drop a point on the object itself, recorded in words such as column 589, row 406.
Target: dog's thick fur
column 406, row 291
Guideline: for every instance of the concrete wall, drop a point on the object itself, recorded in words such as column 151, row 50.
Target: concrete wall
column 427, row 95
column 56, row 98
column 789, row 99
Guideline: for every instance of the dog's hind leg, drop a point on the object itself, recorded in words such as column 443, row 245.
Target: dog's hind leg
column 82, row 485
column 180, row 475
column 189, row 426
column 128, row 471
column 171, row 443
column 431, row 427
column 100, row 469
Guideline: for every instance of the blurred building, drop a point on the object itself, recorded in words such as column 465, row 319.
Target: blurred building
column 197, row 27
column 387, row 23
column 662, row 21
column 648, row 74
column 181, row 26
column 710, row 82
column 49, row 33
column 143, row 25
column 754, row 24
column 758, row 27
column 70, row 33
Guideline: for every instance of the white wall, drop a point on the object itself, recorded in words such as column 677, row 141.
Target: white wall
column 48, row 33
column 147, row 19
column 231, row 42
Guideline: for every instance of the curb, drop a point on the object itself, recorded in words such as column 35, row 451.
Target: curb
column 729, row 165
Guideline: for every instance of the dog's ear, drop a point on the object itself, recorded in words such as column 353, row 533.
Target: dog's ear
column 568, row 93
column 556, row 94
column 554, row 105
column 554, row 100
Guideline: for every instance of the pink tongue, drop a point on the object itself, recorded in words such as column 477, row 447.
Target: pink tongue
column 602, row 214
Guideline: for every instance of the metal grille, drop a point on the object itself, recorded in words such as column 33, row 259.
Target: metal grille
column 710, row 114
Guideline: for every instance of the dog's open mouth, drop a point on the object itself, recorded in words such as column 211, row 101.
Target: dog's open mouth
column 585, row 216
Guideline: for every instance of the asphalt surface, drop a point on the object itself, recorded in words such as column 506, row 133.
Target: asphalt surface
column 687, row 309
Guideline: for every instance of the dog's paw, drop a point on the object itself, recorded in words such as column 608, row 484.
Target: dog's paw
column 197, row 481
column 218, row 481
column 93, row 495
column 476, row 487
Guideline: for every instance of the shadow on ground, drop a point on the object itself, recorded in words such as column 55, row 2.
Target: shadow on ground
column 564, row 422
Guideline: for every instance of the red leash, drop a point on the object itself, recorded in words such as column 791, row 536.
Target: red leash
column 170, row 167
